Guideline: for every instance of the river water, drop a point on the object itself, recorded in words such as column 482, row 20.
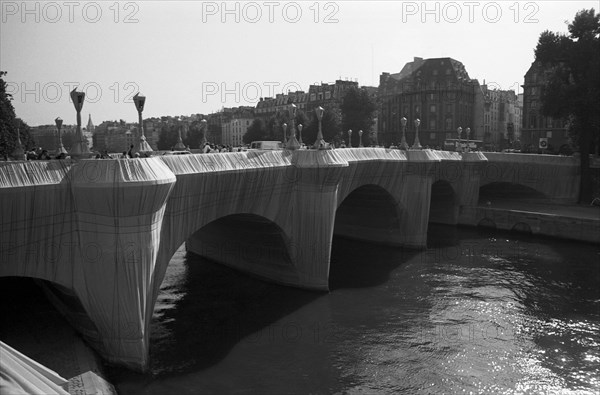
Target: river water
column 476, row 312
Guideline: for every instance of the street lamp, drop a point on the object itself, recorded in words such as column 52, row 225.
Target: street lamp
column 79, row 148
column 468, row 133
column 284, row 127
column 403, row 143
column 300, row 134
column 350, row 138
column 417, row 144
column 292, row 144
column 320, row 143
column 61, row 148
column 360, row 144
column 203, row 126
column 139, row 101
column 179, row 146
column 459, row 131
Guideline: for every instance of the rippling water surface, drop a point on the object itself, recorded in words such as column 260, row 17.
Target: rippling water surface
column 476, row 312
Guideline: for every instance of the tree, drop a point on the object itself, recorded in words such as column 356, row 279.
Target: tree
column 213, row 132
column 194, row 135
column 274, row 129
column 168, row 137
column 358, row 113
column 70, row 137
column 572, row 88
column 10, row 124
column 257, row 131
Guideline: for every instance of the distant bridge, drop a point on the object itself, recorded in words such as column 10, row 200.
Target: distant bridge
column 102, row 232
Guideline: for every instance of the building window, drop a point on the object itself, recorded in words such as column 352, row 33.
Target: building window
column 432, row 124
column 532, row 121
column 313, row 97
column 432, row 108
column 327, row 95
column 448, row 123
column 431, row 136
column 448, row 135
column 549, row 134
column 449, row 108
column 417, row 110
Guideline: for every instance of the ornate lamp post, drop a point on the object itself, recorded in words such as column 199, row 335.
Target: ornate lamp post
column 139, row 101
column 203, row 126
column 61, row 148
column 79, row 148
column 403, row 143
column 417, row 144
column 459, row 131
column 468, row 133
column 320, row 143
column 349, row 138
column 179, row 146
column 292, row 143
column 360, row 144
column 284, row 127
column 300, row 134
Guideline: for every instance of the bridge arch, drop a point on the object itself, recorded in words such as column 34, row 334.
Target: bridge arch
column 61, row 297
column 370, row 213
column 443, row 207
column 509, row 191
column 486, row 223
column 522, row 227
column 248, row 242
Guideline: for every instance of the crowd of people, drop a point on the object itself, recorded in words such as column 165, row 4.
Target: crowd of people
column 42, row 154
column 37, row 153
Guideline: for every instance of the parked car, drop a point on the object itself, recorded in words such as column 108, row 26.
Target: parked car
column 266, row 145
column 177, row 153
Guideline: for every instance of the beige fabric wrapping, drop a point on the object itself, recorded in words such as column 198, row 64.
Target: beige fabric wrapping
column 107, row 229
column 20, row 374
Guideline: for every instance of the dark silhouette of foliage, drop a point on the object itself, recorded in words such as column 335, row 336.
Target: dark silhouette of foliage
column 572, row 89
column 358, row 113
column 10, row 124
column 257, row 131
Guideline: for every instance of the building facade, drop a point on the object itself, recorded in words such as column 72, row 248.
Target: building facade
column 438, row 92
column 539, row 130
column 230, row 125
column 268, row 107
column 501, row 118
column 118, row 136
column 328, row 95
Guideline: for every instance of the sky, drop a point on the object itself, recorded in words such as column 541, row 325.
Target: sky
column 191, row 57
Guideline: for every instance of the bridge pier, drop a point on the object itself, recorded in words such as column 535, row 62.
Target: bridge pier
column 119, row 209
